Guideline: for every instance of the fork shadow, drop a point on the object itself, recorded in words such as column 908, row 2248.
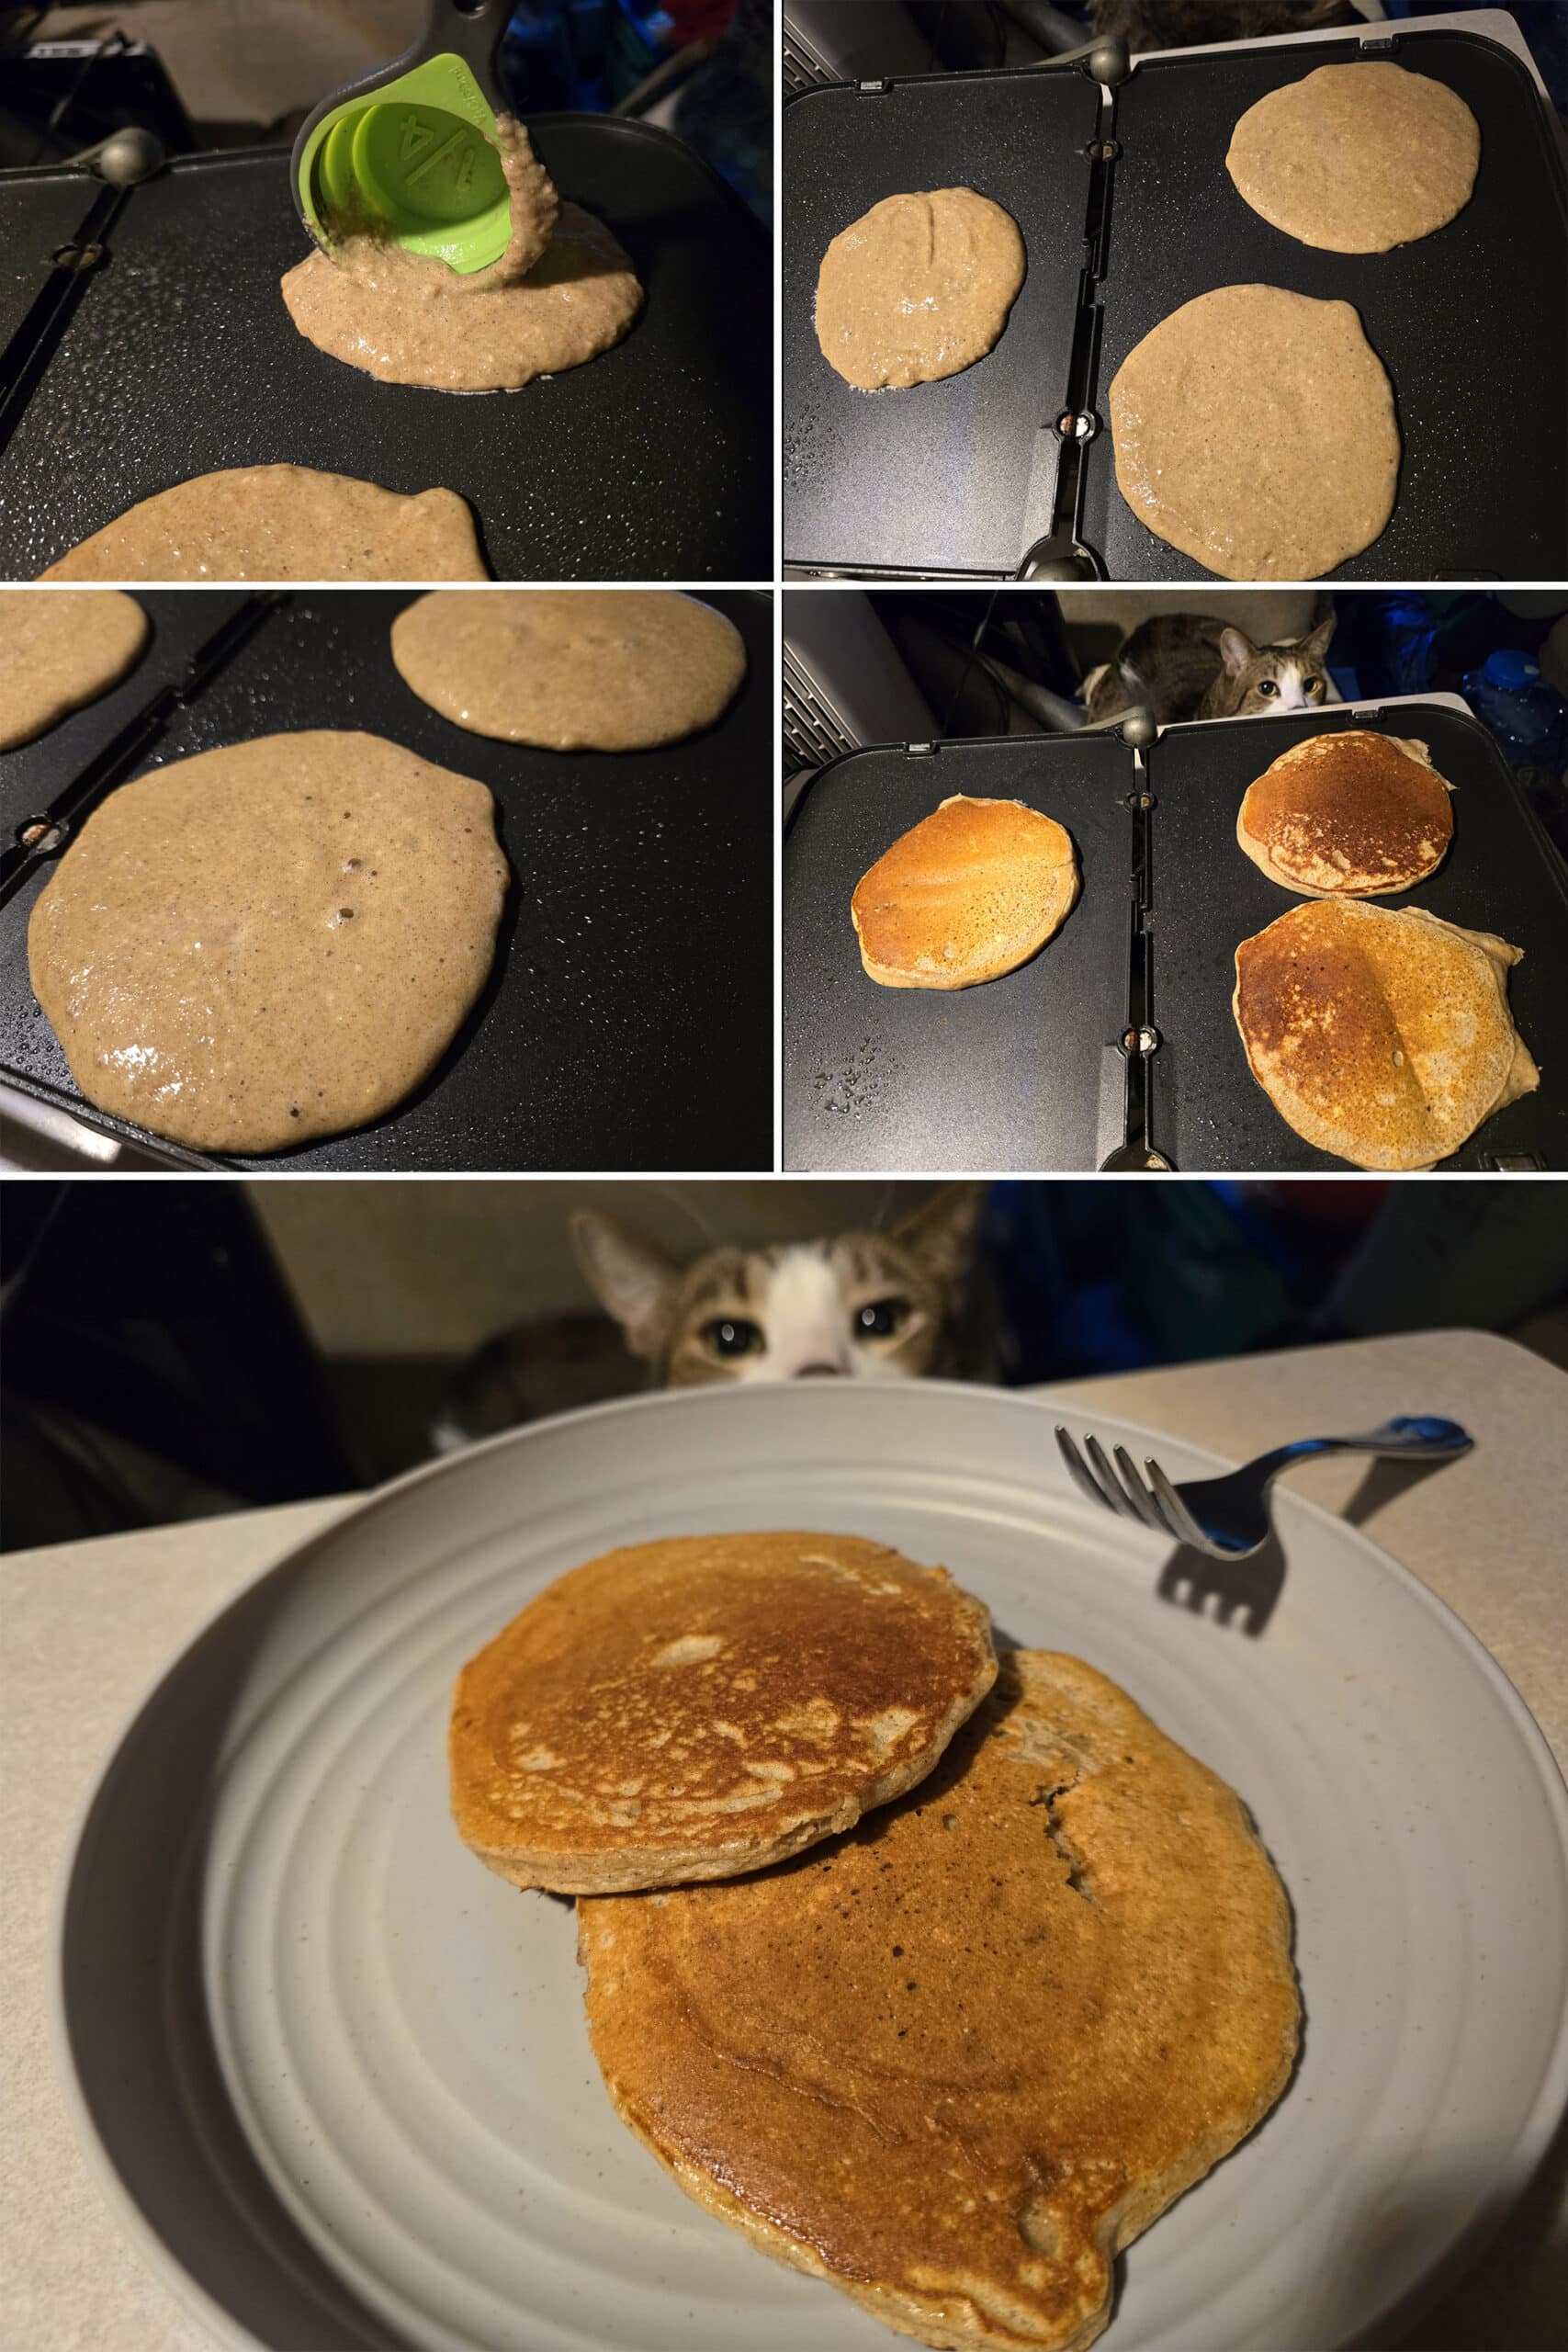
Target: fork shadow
column 1245, row 1593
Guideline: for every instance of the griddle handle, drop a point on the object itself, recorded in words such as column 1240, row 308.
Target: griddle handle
column 470, row 29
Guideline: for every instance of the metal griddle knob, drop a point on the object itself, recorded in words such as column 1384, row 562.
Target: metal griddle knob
column 1109, row 63
column 126, row 157
column 1138, row 729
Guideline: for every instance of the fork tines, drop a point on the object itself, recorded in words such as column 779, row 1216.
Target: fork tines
column 1121, row 1490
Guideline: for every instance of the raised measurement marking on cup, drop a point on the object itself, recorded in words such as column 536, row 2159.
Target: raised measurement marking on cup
column 419, row 135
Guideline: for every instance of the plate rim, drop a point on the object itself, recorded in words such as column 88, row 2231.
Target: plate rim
column 1509, row 2179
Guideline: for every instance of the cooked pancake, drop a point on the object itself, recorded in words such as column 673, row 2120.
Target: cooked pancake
column 971, row 892
column 61, row 650
column 269, row 941
column 1382, row 1036
column 954, row 2062
column 1356, row 159
column 600, row 669
column 690, row 1709
column 1350, row 816
column 282, row 522
column 1254, row 429
column 917, row 288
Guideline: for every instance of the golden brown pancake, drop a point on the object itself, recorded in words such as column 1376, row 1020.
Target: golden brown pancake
column 1356, row 159
column 1254, row 429
column 971, row 892
column 602, row 669
column 917, row 288
column 270, row 942
column 1382, row 1036
column 955, row 2061
column 60, row 649
column 690, row 1709
column 282, row 522
column 1350, row 816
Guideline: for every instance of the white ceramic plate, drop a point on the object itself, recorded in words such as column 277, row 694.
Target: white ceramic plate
column 337, row 2072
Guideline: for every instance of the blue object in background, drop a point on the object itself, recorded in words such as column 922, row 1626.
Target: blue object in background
column 1528, row 717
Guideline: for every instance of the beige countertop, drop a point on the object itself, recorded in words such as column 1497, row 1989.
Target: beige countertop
column 84, row 1628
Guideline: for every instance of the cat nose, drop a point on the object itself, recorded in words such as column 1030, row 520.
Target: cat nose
column 815, row 1372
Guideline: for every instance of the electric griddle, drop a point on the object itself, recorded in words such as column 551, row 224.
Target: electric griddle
column 628, row 1021
column 1116, row 1045
column 1127, row 212
column 173, row 354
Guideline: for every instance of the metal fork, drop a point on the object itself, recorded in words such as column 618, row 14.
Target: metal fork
column 1228, row 1517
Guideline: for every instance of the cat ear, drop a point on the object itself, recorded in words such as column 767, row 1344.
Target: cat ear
column 1316, row 644
column 940, row 1232
column 1235, row 651
column 631, row 1277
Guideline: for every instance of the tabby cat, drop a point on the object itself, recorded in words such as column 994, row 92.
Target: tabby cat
column 1187, row 665
column 856, row 1305
column 1181, row 24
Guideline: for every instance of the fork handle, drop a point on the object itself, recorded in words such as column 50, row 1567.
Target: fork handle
column 1420, row 1437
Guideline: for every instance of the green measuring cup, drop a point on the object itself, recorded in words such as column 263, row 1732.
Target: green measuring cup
column 411, row 145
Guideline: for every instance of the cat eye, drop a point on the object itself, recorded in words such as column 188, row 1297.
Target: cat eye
column 1267, row 685
column 731, row 1335
column 1312, row 686
column 880, row 1317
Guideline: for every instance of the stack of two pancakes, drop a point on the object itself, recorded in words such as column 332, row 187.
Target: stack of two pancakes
column 937, row 1979
column 1381, row 1035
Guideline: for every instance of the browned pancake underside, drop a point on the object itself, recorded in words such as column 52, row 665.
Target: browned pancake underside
column 971, row 892
column 1355, row 813
column 956, row 2060
column 692, row 1708
column 1382, row 1036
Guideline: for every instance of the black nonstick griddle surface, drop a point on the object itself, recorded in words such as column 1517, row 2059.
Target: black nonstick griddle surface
column 959, row 475
column 1206, row 1111
column 627, row 1024
column 1019, row 1073
column 31, row 774
column 649, row 462
column 1471, row 323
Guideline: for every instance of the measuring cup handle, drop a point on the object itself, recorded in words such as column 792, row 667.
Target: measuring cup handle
column 470, row 29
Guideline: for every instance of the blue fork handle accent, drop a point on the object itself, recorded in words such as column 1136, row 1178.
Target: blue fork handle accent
column 1407, row 1437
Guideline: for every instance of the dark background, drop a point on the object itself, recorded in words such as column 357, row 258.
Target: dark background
column 187, row 1347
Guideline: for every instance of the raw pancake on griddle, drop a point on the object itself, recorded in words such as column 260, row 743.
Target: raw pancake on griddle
column 282, row 522
column 59, row 651
column 271, row 942
column 1355, row 815
column 587, row 669
column 917, row 288
column 697, row 1707
column 1254, row 429
column 561, row 292
column 1357, row 159
column 1382, row 1036
column 955, row 2061
column 971, row 892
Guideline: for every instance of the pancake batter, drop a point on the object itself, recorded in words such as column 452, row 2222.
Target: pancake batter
column 60, row 651
column 282, row 522
column 269, row 943
column 563, row 292
column 917, row 288
column 1359, row 158
column 1254, row 429
column 587, row 669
